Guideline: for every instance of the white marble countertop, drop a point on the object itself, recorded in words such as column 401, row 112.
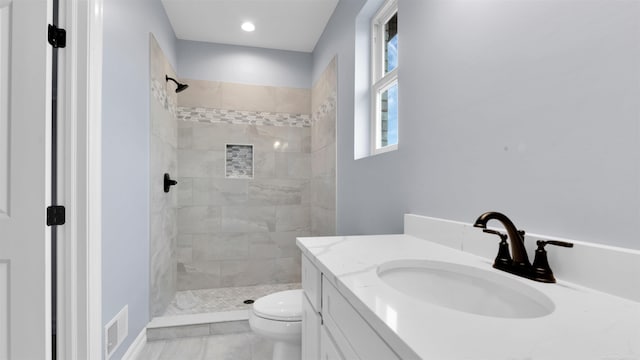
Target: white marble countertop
column 586, row 324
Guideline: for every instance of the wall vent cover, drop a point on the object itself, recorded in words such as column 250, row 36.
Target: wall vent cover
column 116, row 331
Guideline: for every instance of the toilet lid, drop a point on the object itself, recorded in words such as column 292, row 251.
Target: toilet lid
column 283, row 306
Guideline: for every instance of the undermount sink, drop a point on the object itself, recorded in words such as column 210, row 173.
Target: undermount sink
column 465, row 288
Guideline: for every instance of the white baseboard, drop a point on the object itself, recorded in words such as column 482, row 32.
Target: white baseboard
column 133, row 352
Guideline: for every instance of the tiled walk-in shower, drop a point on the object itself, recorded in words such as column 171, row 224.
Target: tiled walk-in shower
column 255, row 167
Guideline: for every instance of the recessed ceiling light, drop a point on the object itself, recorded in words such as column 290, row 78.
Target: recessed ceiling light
column 248, row 26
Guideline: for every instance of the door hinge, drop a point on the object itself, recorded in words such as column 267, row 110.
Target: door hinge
column 57, row 36
column 55, row 215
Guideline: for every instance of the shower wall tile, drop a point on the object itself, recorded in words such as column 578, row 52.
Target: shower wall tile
column 163, row 275
column 184, row 254
column 273, row 138
column 306, row 192
column 322, row 190
column 262, row 246
column 215, row 136
column 163, row 141
column 286, row 242
column 222, row 246
column 198, row 275
column 201, row 93
column 323, row 161
column 185, row 240
column 185, row 137
column 220, row 192
column 185, row 191
column 163, row 123
column 293, row 218
column 293, row 165
column 264, row 163
column 276, row 191
column 323, row 152
column 325, row 85
column 186, row 125
column 247, row 272
column 200, row 163
column 245, row 97
column 274, row 244
column 248, row 219
column 199, row 219
column 253, row 223
column 287, row 270
column 292, row 100
column 248, row 97
column 323, row 222
column 323, row 131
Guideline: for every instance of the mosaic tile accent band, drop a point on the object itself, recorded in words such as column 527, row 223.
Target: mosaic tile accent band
column 239, row 161
column 207, row 115
column 159, row 92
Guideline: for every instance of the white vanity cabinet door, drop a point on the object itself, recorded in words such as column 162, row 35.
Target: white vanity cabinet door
column 330, row 351
column 311, row 282
column 310, row 331
column 344, row 323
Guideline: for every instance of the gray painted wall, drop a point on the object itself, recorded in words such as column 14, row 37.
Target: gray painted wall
column 125, row 129
column 526, row 107
column 242, row 64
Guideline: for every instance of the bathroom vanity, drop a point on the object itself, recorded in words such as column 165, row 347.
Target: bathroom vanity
column 432, row 293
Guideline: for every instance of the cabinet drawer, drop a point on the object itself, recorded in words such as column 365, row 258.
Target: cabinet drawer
column 311, row 280
column 342, row 320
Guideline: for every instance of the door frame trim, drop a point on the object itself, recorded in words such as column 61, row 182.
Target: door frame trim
column 80, row 240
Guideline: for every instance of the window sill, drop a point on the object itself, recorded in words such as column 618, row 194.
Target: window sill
column 385, row 149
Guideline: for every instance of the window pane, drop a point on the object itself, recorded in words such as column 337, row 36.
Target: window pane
column 389, row 116
column 391, row 44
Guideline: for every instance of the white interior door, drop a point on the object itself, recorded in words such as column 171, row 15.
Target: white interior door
column 25, row 103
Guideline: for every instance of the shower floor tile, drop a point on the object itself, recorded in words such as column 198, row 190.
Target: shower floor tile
column 221, row 299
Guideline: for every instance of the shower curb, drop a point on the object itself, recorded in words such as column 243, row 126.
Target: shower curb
column 193, row 325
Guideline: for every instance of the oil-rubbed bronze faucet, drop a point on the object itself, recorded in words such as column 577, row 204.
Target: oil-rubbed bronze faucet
column 517, row 262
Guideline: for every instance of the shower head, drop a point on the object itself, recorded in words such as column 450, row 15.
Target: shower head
column 180, row 88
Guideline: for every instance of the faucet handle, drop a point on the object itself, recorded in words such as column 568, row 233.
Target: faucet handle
column 489, row 231
column 541, row 270
column 553, row 242
column 521, row 233
column 503, row 259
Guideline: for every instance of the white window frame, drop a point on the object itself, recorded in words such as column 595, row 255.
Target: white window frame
column 380, row 82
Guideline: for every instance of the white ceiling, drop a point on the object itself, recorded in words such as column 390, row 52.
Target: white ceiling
column 294, row 25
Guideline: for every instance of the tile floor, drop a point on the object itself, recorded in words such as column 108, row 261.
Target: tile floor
column 235, row 346
column 221, row 299
column 239, row 346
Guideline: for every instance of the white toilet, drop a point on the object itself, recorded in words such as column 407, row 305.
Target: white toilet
column 278, row 317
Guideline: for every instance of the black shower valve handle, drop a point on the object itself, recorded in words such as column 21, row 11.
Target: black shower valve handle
column 168, row 182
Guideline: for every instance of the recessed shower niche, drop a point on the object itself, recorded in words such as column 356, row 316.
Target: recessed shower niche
column 239, row 161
